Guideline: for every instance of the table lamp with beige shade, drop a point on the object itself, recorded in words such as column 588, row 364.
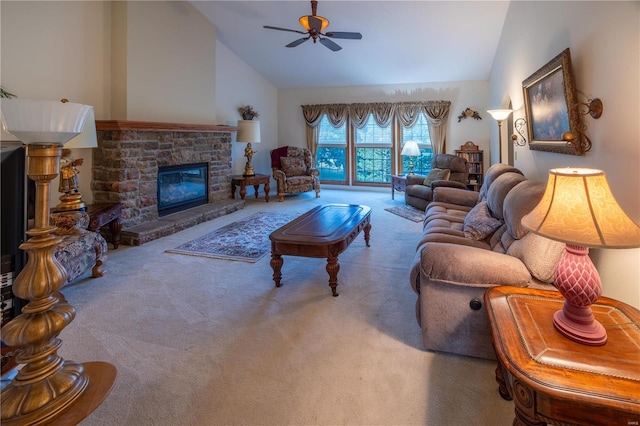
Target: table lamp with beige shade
column 579, row 210
column 47, row 388
column 248, row 131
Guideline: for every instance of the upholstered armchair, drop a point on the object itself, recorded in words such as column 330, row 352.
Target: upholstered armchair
column 293, row 171
column 446, row 170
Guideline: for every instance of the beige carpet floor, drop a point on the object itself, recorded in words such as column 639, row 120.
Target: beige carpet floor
column 200, row 341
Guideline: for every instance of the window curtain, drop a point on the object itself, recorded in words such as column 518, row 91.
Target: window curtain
column 384, row 113
column 437, row 113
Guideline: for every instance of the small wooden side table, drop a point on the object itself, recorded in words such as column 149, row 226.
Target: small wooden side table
column 106, row 213
column 555, row 380
column 398, row 183
column 256, row 181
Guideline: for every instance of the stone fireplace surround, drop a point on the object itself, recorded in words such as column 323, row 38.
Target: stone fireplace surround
column 125, row 169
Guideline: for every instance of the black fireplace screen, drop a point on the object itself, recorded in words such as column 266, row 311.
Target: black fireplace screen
column 182, row 187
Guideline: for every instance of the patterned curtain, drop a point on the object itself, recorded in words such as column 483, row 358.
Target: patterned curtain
column 437, row 113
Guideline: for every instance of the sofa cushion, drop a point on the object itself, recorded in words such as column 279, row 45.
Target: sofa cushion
column 436, row 174
column 293, row 166
column 499, row 190
column 540, row 255
column 520, row 201
column 479, row 224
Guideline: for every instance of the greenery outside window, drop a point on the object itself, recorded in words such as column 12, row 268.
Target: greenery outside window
column 373, row 153
column 331, row 156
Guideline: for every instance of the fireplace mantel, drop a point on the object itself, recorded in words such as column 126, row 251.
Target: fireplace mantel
column 161, row 127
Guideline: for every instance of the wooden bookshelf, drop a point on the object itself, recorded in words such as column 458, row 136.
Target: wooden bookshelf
column 475, row 162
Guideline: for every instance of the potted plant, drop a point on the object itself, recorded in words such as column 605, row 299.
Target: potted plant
column 247, row 112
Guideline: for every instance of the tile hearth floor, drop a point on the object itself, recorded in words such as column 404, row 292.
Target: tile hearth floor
column 176, row 222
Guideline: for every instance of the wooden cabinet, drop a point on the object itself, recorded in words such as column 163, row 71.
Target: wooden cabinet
column 475, row 163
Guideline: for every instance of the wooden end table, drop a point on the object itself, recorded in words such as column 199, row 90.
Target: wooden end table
column 555, row 380
column 398, row 183
column 255, row 180
column 102, row 214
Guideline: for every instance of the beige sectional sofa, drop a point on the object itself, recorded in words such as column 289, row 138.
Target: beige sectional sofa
column 472, row 241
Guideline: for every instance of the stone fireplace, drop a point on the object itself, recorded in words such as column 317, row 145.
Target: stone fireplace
column 130, row 154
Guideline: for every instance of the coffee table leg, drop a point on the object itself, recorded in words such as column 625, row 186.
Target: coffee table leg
column 367, row 229
column 266, row 191
column 276, row 264
column 332, row 268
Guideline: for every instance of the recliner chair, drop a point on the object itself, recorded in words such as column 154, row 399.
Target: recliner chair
column 418, row 195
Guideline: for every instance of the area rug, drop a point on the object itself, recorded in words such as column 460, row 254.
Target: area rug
column 246, row 240
column 407, row 212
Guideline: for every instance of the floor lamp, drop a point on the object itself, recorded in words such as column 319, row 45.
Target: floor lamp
column 47, row 388
column 500, row 115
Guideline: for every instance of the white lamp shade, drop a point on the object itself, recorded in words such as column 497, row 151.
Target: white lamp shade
column 578, row 208
column 34, row 121
column 88, row 138
column 500, row 114
column 411, row 148
column 248, row 131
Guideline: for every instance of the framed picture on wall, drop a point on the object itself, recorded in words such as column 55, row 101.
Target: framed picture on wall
column 551, row 107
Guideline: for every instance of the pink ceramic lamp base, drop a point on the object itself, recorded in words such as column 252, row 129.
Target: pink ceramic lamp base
column 577, row 279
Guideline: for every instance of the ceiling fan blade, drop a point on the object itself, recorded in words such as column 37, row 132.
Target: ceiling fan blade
column 269, row 27
column 345, row 35
column 297, row 42
column 330, row 44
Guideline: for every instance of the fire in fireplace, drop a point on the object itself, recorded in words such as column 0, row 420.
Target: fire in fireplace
column 182, row 187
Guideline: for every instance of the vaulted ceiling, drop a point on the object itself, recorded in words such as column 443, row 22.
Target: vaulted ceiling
column 402, row 41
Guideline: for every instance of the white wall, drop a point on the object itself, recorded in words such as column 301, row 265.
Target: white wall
column 55, row 50
column 604, row 38
column 462, row 94
column 171, row 63
column 238, row 84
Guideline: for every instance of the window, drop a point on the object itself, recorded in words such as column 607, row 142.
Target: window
column 373, row 153
column 331, row 155
column 370, row 155
column 418, row 132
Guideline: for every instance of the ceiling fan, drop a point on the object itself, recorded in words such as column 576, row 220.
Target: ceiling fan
column 314, row 26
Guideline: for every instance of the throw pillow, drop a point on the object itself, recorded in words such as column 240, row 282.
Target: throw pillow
column 540, row 255
column 478, row 223
column 436, row 174
column 293, row 166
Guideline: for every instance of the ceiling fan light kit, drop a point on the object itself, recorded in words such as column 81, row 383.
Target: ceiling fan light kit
column 315, row 26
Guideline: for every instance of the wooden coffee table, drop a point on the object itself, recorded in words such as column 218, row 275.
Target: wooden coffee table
column 555, row 380
column 325, row 231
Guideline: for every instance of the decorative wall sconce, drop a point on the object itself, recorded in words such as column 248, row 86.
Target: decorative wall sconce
column 594, row 109
column 519, row 125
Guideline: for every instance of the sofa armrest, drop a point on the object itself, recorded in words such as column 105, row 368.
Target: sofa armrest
column 471, row 266
column 461, row 197
column 313, row 172
column 415, row 180
column 448, row 184
column 67, row 223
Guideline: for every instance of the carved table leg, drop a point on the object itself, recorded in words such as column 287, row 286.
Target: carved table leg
column 367, row 229
column 266, row 191
column 115, row 227
column 502, row 385
column 332, row 268
column 233, row 191
column 256, row 188
column 276, row 264
column 243, row 190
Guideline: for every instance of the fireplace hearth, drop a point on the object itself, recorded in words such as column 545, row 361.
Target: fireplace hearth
column 182, row 187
